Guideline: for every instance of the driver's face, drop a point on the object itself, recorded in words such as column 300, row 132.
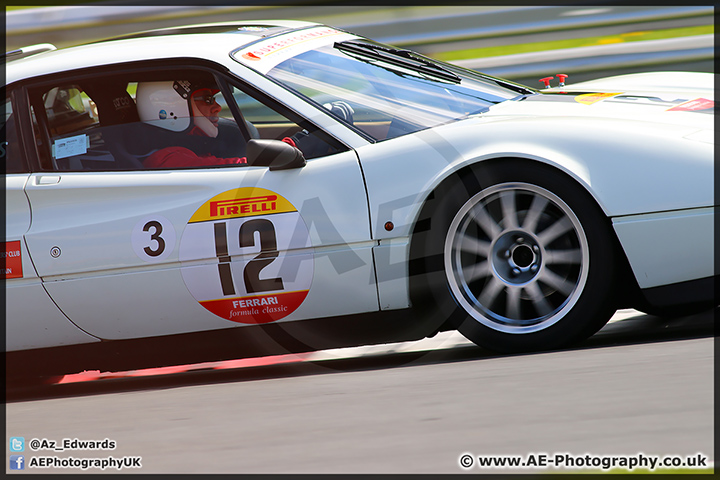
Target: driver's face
column 205, row 102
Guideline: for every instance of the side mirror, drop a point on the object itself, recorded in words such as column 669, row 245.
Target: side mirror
column 275, row 154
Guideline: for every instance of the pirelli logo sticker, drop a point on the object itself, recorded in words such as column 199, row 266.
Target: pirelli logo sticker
column 243, row 206
column 242, row 202
column 247, row 256
column 12, row 260
column 590, row 98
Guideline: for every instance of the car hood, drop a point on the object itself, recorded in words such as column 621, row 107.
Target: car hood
column 676, row 98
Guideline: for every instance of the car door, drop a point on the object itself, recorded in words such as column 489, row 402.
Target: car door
column 139, row 252
column 31, row 318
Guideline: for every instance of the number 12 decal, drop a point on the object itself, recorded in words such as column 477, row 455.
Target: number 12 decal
column 251, row 272
column 268, row 253
column 223, row 269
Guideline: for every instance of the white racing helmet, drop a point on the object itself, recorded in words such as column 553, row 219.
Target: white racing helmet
column 168, row 105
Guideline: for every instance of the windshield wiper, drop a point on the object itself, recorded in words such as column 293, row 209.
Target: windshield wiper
column 513, row 86
column 399, row 58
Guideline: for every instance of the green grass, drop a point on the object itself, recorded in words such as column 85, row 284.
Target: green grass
column 27, row 7
column 574, row 43
column 18, row 8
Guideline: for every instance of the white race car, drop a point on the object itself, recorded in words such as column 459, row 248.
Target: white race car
column 340, row 192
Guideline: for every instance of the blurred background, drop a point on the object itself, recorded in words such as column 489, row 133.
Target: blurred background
column 521, row 43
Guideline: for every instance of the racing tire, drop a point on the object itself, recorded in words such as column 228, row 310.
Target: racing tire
column 517, row 256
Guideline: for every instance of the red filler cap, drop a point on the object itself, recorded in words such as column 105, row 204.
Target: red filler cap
column 546, row 81
column 562, row 77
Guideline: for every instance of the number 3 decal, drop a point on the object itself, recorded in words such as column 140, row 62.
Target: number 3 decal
column 153, row 238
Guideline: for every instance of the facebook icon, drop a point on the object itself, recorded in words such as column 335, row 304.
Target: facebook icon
column 17, row 462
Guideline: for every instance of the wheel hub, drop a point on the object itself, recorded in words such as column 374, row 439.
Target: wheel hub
column 516, row 258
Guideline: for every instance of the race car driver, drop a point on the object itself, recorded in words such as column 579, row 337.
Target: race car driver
column 187, row 108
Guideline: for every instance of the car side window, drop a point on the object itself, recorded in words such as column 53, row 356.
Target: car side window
column 67, row 129
column 69, row 110
column 266, row 122
column 160, row 119
column 115, row 123
column 71, row 118
column 10, row 153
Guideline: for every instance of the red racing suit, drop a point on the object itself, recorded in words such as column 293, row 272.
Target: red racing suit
column 179, row 157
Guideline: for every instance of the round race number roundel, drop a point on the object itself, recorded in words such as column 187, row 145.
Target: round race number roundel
column 247, row 257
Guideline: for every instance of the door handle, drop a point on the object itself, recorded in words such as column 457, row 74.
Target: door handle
column 47, row 179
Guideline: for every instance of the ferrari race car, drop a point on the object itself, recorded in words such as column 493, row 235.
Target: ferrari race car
column 339, row 192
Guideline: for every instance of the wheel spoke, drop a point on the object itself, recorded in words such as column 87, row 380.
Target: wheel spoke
column 491, row 292
column 469, row 244
column 533, row 215
column 485, row 221
column 542, row 306
column 476, row 271
column 563, row 256
column 554, row 231
column 562, row 285
column 513, row 303
column 509, row 211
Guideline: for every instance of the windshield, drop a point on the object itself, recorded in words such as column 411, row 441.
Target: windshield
column 390, row 92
